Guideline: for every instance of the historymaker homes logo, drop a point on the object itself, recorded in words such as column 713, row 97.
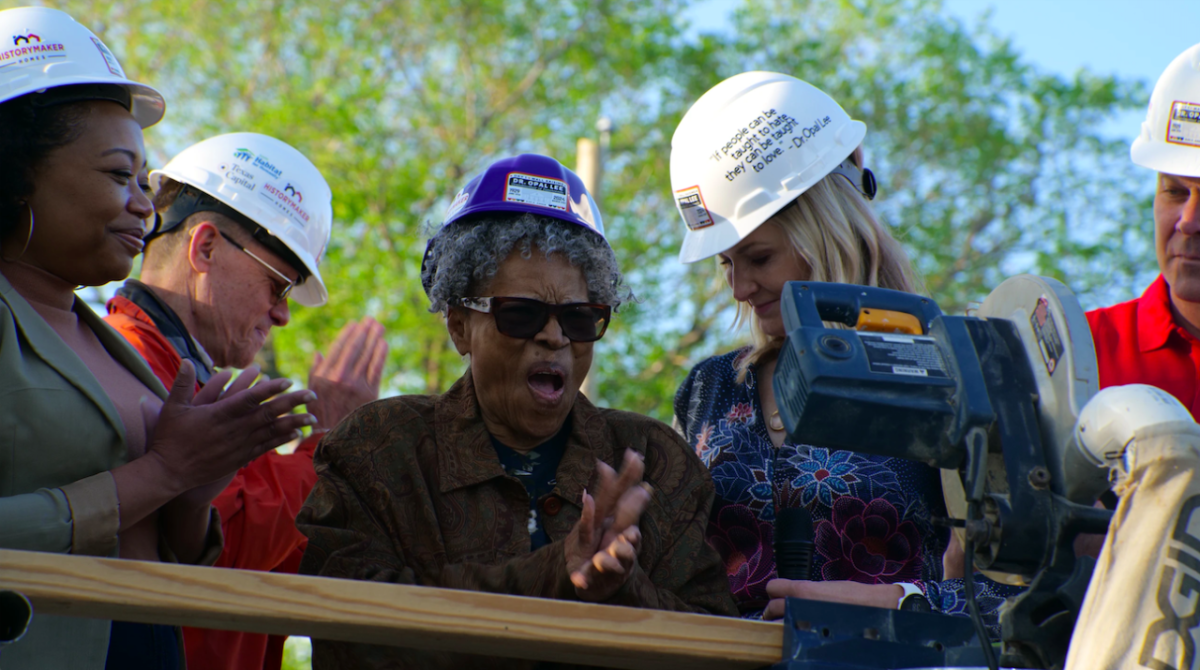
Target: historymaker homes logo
column 28, row 48
column 287, row 200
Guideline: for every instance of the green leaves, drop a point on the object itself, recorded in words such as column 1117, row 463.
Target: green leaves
column 987, row 166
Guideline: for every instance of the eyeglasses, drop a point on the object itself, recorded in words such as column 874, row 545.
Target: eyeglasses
column 524, row 318
column 288, row 284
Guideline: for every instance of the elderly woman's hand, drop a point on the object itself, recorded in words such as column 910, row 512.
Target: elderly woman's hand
column 602, row 549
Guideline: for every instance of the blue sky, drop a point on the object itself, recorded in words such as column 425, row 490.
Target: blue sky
column 1123, row 37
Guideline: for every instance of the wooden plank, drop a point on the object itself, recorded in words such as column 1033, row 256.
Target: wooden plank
column 392, row 614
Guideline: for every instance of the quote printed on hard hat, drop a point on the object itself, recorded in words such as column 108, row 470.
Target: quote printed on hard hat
column 763, row 139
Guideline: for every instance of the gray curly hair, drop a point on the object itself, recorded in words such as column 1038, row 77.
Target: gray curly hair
column 465, row 256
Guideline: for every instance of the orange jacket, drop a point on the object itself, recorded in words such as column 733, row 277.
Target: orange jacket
column 258, row 511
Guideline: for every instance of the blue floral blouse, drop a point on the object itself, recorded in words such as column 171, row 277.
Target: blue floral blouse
column 872, row 515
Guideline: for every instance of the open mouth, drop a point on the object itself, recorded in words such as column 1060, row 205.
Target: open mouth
column 547, row 383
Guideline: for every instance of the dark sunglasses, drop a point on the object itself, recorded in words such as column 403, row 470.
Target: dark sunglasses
column 524, row 318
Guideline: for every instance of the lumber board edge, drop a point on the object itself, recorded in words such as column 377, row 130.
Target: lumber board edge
column 393, row 614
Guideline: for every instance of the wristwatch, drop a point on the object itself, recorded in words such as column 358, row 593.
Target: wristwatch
column 913, row 599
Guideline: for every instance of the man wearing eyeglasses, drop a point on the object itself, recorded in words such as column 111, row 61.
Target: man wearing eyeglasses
column 243, row 220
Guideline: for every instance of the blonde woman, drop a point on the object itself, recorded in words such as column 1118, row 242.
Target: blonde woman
column 768, row 176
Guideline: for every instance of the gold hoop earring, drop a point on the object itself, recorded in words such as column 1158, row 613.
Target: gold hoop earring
column 28, row 237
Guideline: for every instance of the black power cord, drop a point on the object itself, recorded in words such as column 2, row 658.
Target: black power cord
column 969, row 584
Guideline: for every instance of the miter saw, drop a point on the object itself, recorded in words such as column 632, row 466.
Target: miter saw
column 991, row 399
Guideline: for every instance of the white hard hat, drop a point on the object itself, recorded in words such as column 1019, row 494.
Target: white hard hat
column 1114, row 417
column 270, row 183
column 749, row 146
column 1170, row 137
column 43, row 48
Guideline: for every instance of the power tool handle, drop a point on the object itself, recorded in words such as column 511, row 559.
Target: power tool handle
column 809, row 303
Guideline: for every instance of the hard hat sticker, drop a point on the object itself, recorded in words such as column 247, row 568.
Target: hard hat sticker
column 587, row 212
column 1183, row 125
column 459, row 201
column 109, row 59
column 528, row 189
column 691, row 206
column 29, row 47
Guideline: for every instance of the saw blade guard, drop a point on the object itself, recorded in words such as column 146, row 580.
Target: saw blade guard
column 1058, row 342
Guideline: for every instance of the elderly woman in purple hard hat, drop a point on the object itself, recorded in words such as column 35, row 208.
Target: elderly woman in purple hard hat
column 512, row 481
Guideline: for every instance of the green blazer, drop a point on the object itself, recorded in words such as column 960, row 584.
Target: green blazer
column 59, row 437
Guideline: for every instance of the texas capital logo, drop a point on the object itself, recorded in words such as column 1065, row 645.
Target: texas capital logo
column 18, row 40
column 292, row 191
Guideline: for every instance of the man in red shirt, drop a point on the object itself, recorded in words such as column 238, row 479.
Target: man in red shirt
column 1156, row 339
column 244, row 220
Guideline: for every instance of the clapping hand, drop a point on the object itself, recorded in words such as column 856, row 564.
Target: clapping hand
column 350, row 377
column 204, row 436
column 603, row 546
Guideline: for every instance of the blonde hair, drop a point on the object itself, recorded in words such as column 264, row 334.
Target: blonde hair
column 832, row 229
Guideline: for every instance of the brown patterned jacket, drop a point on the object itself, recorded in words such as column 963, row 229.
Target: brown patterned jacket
column 410, row 491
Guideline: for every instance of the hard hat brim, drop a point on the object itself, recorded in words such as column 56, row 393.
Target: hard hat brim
column 312, row 292
column 1164, row 157
column 147, row 105
column 565, row 217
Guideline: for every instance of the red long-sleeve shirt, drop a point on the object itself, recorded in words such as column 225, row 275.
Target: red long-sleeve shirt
column 258, row 511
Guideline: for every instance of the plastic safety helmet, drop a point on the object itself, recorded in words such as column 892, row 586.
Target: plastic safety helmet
column 43, row 48
column 526, row 183
column 272, row 185
column 1170, row 137
column 750, row 146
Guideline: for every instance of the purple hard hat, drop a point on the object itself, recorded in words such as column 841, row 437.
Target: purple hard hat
column 526, row 183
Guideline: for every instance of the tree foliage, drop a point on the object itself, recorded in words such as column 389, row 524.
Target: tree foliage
column 987, row 166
